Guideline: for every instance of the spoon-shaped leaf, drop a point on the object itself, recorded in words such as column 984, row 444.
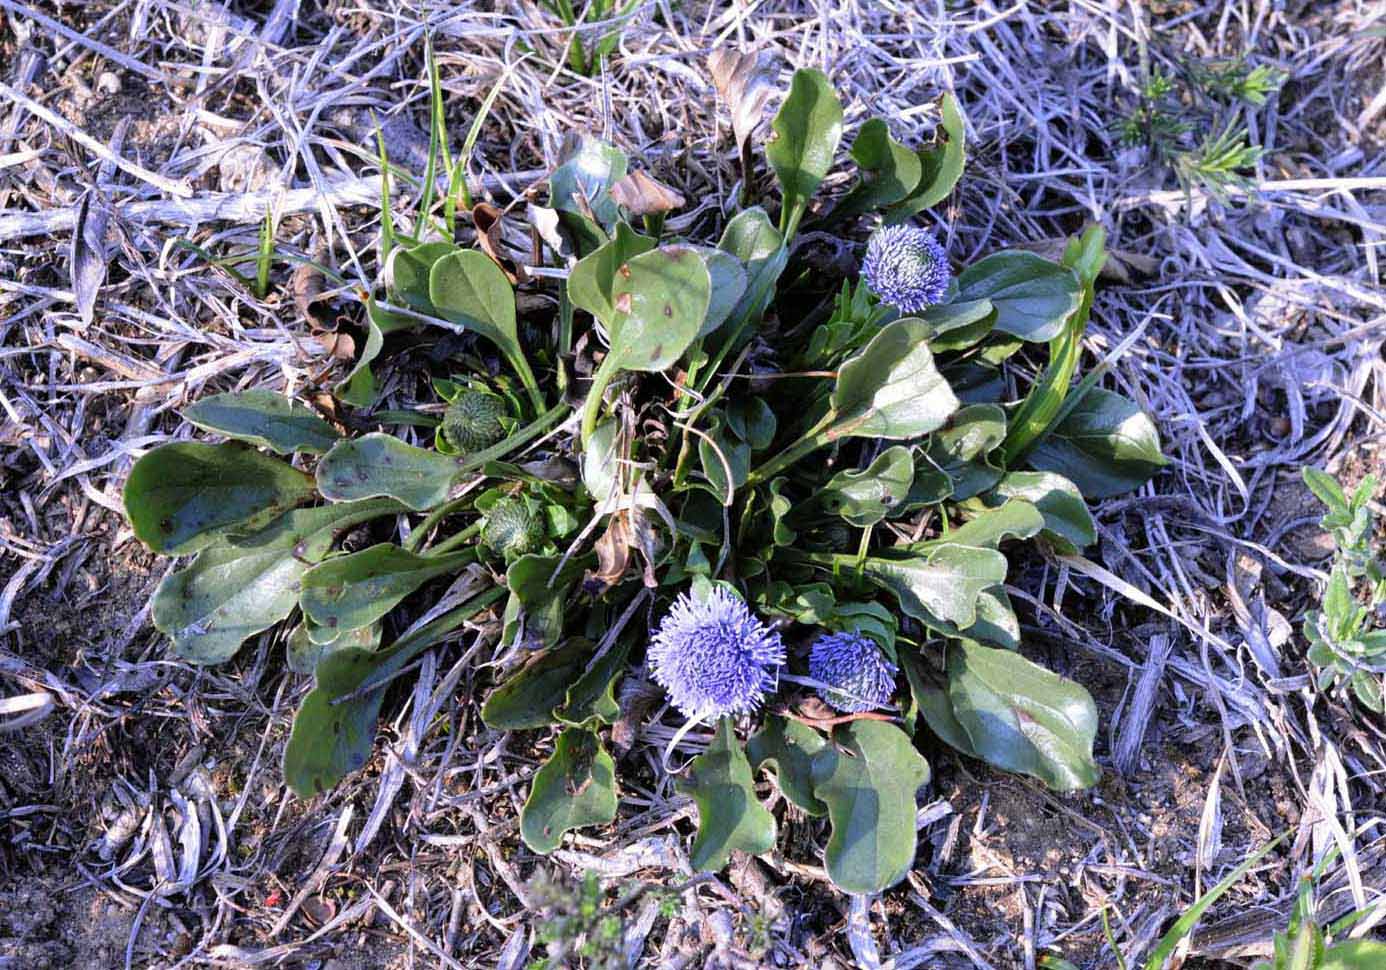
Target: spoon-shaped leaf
column 381, row 464
column 730, row 817
column 409, row 271
column 1032, row 296
column 1021, row 717
column 889, row 171
column 943, row 584
column 527, row 700
column 303, row 652
column 263, row 418
column 468, row 288
column 789, row 747
column 353, row 591
column 661, row 298
column 1105, row 445
column 575, row 787
column 181, row 496
column 868, row 777
column 940, row 165
column 863, row 497
column 241, row 586
column 591, row 281
column 805, row 135
column 892, row 388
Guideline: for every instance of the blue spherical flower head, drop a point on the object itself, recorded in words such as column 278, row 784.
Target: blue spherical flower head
column 713, row 657
column 906, row 267
column 854, row 664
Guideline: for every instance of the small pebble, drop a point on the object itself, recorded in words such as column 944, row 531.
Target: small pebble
column 108, row 83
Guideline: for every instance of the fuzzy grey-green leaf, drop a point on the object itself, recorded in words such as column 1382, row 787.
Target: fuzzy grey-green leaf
column 263, row 418
column 353, row 591
column 381, row 464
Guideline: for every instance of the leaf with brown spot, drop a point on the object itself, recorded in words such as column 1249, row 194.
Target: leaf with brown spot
column 745, row 81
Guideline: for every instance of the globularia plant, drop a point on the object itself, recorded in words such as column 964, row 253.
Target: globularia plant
column 805, row 484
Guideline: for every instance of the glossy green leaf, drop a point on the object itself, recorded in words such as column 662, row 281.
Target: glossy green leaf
column 1032, row 296
column 182, row 496
column 243, row 585
column 600, row 464
column 892, row 388
column 789, row 747
column 528, row 698
column 358, row 387
column 730, row 817
column 539, row 591
column 945, row 583
column 591, row 281
column 955, row 463
column 957, row 326
column 381, row 464
column 721, row 451
column 580, row 189
column 933, row 704
column 889, row 171
column 752, row 238
column 805, row 135
column 1105, row 445
column 1068, row 524
column 1014, row 519
column 728, row 283
column 940, row 165
column 661, row 298
column 353, row 591
column 864, row 497
column 263, row 418
column 575, row 787
column 1021, row 717
column 868, row 777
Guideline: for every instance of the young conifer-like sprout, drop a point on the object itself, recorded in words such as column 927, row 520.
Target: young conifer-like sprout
column 713, row 656
column 906, row 267
column 473, row 421
column 853, row 664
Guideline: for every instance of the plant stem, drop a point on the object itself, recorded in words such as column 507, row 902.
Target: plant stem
column 417, row 537
column 521, row 365
column 453, row 541
column 813, row 439
column 592, row 407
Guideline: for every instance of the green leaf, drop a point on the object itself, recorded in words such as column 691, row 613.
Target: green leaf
column 1105, row 445
column 303, row 652
column 409, row 271
column 1021, row 717
column 1014, row 519
column 752, row 238
column 957, row 326
column 729, row 815
column 329, row 741
column 864, row 497
column 358, row 387
column 789, row 747
column 868, row 777
column 1068, row 524
column 468, row 288
column 353, row 591
column 575, row 787
column 1032, row 296
column 889, row 171
column 334, row 728
column 600, row 464
column 661, row 298
column 943, row 584
column 182, row 496
column 539, row 592
column 805, row 135
column 592, row 698
column 580, row 189
column 940, row 165
column 528, row 698
column 381, row 464
column 263, row 418
column 728, row 446
column 892, row 388
column 246, row 584
column 591, row 280
column 728, row 284
column 933, row 703
column 1326, row 488
column 955, row 461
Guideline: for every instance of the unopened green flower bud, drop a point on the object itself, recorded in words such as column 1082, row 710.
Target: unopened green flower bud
column 513, row 529
column 473, row 422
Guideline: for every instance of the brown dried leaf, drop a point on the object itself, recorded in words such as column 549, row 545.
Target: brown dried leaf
column 644, row 195
column 489, row 221
column 306, row 287
column 745, row 82
column 613, row 556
